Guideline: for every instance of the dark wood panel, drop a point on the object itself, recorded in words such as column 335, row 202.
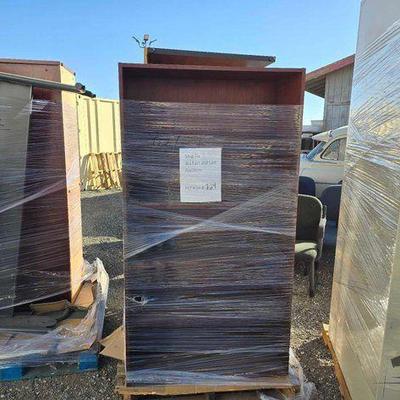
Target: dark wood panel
column 194, row 84
column 208, row 285
column 186, row 57
column 50, row 241
column 44, row 262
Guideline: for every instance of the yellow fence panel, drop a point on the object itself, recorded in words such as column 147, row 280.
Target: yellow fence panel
column 99, row 139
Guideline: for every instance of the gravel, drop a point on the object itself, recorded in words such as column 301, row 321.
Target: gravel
column 308, row 315
column 102, row 231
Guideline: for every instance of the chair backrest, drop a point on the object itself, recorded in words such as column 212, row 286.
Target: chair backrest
column 331, row 199
column 309, row 214
column 306, row 185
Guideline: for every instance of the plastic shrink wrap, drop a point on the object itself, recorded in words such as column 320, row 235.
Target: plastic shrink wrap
column 210, row 215
column 365, row 310
column 40, row 216
column 40, row 230
column 306, row 390
column 66, row 328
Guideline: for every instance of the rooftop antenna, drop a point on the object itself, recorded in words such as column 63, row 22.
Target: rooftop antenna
column 144, row 44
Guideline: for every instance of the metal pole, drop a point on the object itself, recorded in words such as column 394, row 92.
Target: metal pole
column 45, row 84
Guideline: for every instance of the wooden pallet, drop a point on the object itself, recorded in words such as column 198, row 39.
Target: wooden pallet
column 344, row 390
column 103, row 171
column 281, row 385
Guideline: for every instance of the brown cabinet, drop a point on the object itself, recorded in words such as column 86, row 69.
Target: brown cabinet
column 210, row 164
column 43, row 254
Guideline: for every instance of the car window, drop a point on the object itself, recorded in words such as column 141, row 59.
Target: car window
column 332, row 151
column 316, row 150
column 342, row 149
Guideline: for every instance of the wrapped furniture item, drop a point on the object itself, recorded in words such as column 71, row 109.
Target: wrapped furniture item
column 56, row 332
column 40, row 229
column 365, row 310
column 210, row 164
column 40, row 217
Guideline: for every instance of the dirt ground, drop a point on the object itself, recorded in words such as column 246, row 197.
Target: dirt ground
column 102, row 230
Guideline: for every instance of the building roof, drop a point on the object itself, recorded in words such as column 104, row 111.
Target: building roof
column 315, row 80
column 35, row 62
column 187, row 57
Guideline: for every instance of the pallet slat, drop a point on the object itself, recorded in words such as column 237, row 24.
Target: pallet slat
column 283, row 385
column 103, row 171
column 344, row 390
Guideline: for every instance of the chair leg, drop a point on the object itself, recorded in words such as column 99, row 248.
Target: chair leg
column 311, row 277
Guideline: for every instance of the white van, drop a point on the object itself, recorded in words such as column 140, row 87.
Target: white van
column 325, row 163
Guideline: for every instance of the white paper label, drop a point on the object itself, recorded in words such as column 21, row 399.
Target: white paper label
column 200, row 174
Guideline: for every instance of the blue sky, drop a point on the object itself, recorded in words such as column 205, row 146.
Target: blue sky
column 92, row 36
